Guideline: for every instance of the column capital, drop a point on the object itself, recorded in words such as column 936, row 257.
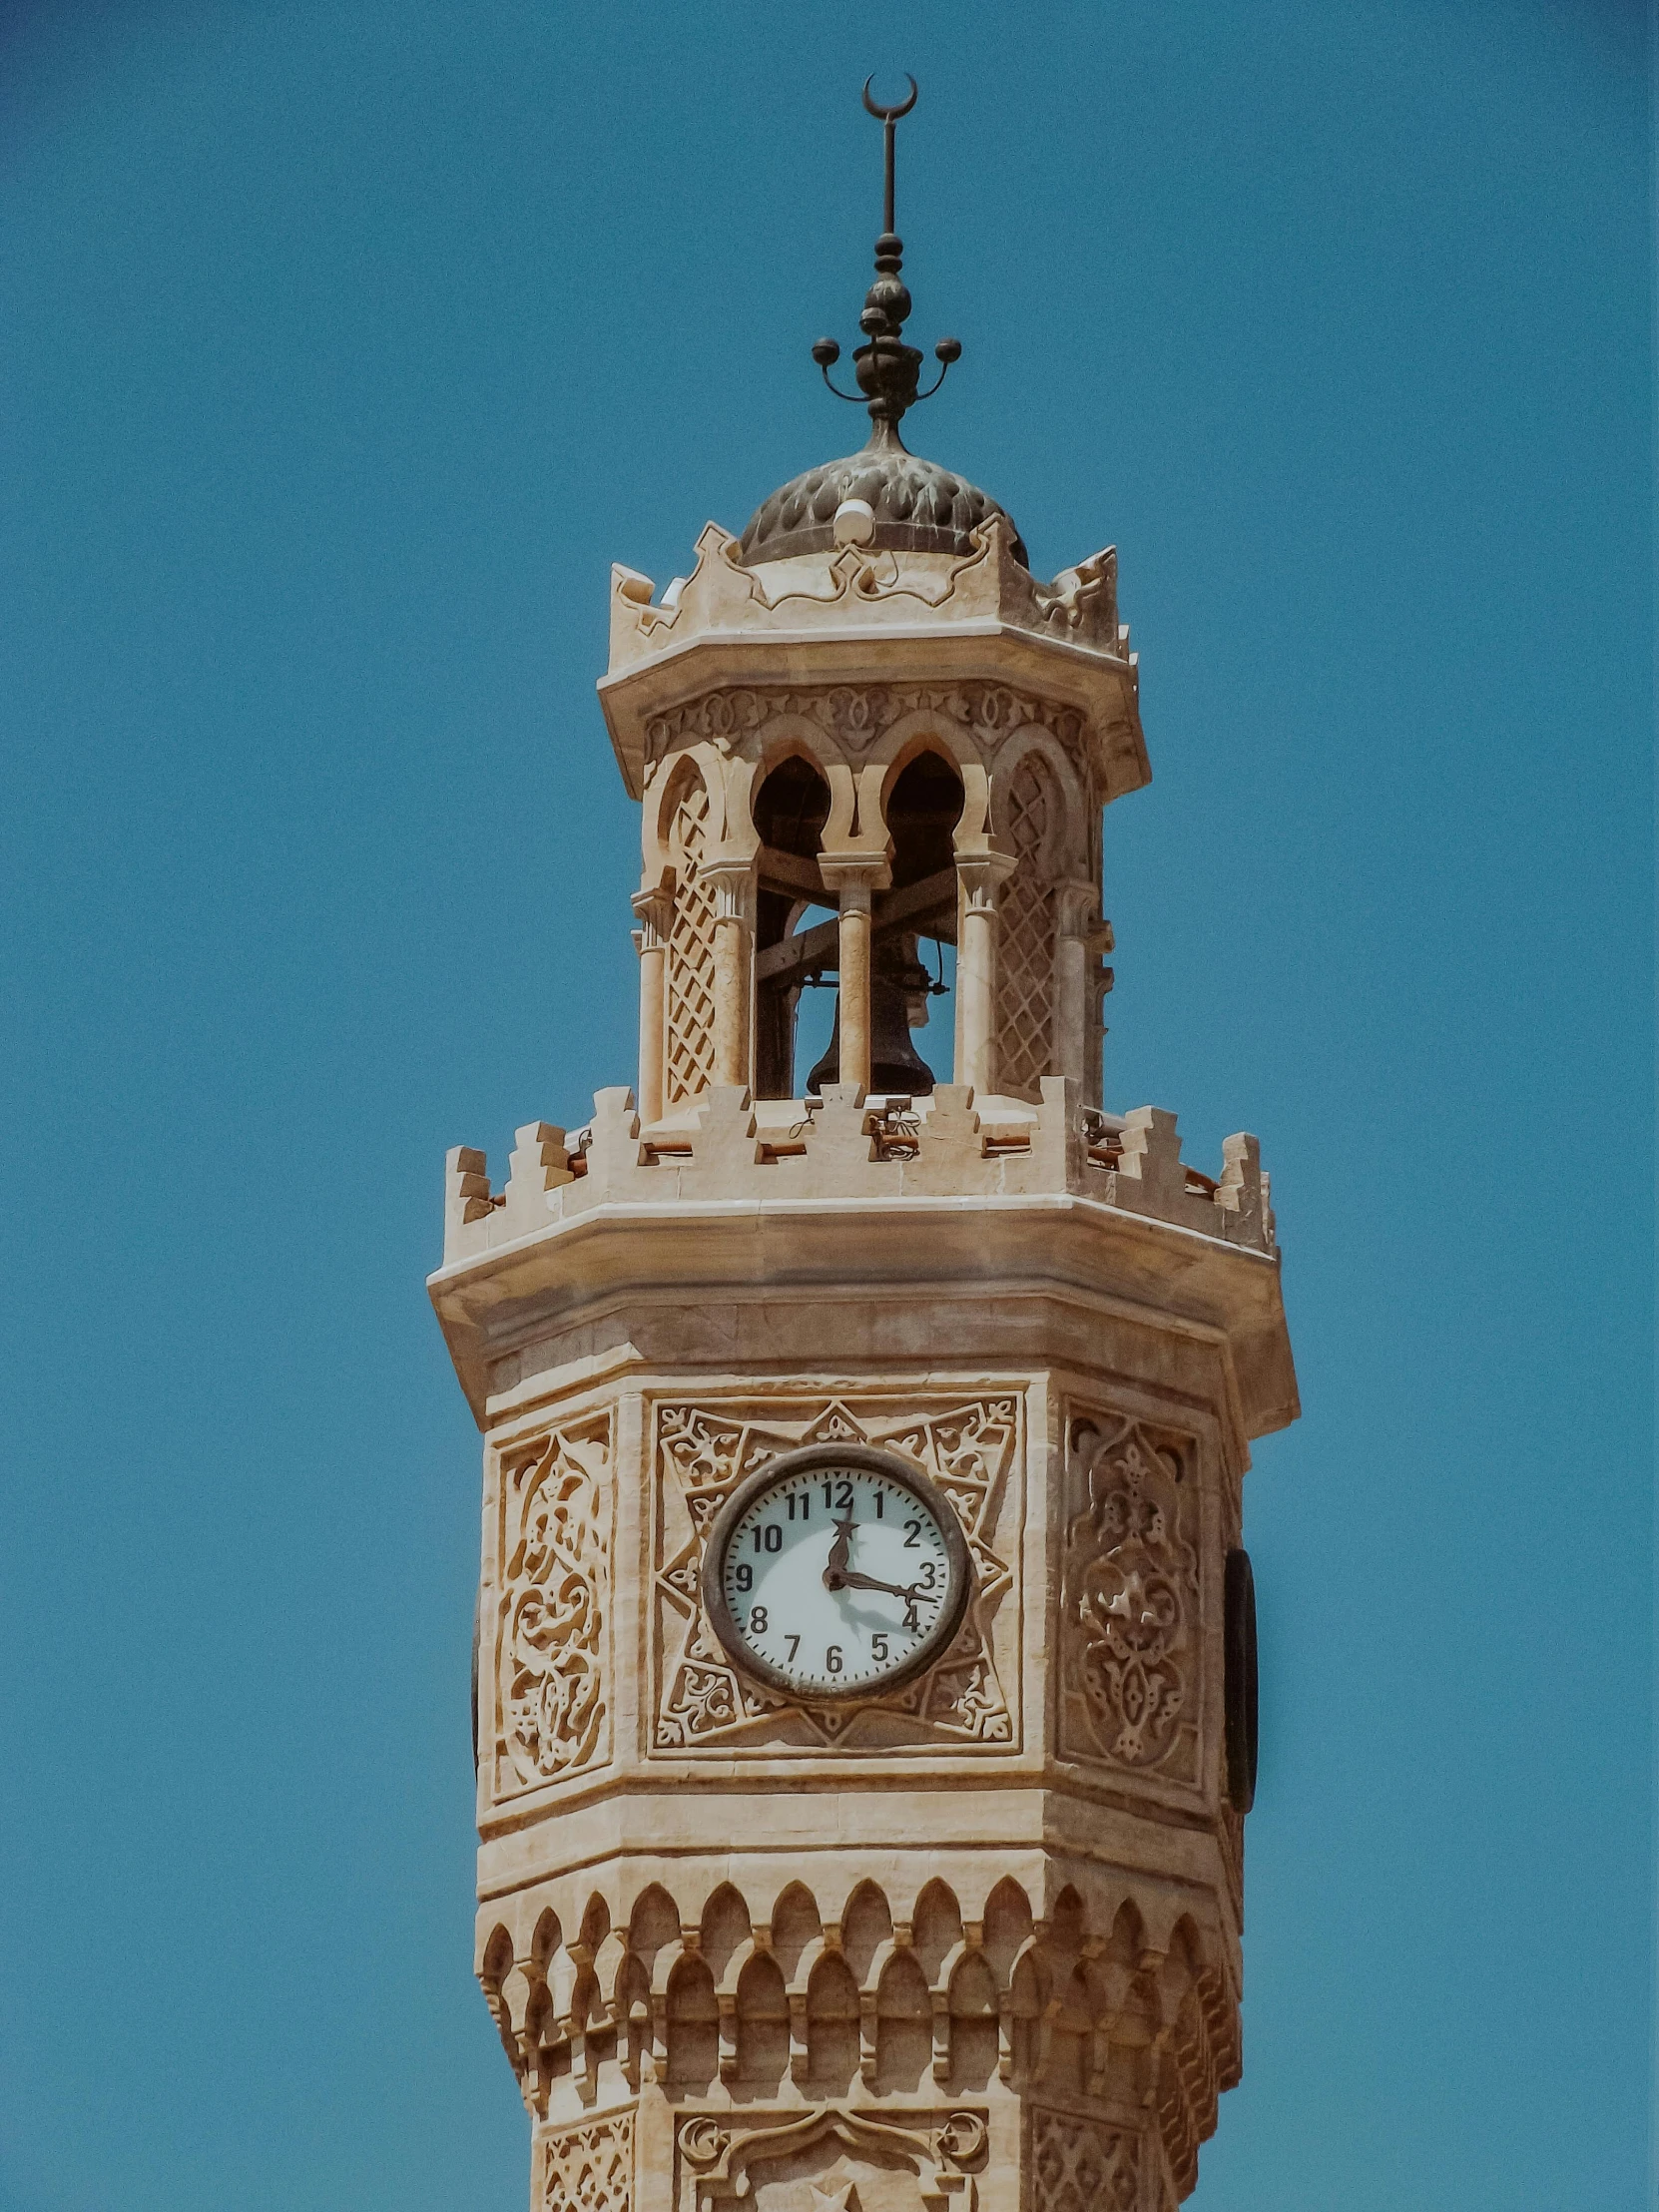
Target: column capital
column 652, row 909
column 733, row 878
column 982, row 875
column 1075, row 900
column 854, row 876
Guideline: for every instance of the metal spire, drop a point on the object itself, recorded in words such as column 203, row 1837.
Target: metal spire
column 887, row 370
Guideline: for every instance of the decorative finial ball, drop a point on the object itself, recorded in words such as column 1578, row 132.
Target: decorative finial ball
column 854, row 522
column 826, row 352
column 948, row 351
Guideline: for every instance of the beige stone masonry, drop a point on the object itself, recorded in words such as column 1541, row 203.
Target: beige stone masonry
column 967, row 1940
column 846, row 1147
column 854, row 615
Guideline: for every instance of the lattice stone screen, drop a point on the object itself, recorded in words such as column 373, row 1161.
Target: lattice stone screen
column 1025, row 936
column 689, row 1056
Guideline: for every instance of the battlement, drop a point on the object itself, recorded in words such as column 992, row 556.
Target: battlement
column 849, row 1146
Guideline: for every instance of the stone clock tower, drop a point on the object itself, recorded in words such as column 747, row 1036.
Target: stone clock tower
column 865, row 1691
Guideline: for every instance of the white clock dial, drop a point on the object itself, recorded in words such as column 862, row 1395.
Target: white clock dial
column 830, row 1573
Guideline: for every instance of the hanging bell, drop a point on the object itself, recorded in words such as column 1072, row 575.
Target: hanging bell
column 898, row 988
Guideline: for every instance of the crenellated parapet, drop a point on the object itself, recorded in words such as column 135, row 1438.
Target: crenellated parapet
column 845, row 1146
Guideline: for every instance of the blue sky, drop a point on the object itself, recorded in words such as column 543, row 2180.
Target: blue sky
column 347, row 345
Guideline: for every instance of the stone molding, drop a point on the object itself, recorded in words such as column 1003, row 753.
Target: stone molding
column 721, row 2162
column 856, row 716
column 883, row 589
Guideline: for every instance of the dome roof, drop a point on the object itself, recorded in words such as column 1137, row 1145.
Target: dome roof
column 918, row 506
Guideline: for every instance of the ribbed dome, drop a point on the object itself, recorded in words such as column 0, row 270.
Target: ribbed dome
column 918, row 506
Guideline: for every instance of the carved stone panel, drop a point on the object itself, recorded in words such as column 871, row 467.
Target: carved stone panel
column 551, row 1703
column 853, row 717
column 1080, row 2165
column 973, row 1450
column 588, row 2168
column 831, row 2159
column 1130, row 1632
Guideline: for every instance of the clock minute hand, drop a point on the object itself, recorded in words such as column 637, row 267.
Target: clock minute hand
column 850, row 1579
column 911, row 1594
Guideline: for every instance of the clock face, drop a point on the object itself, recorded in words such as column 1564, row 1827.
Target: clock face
column 835, row 1571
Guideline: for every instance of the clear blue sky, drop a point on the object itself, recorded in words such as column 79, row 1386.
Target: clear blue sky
column 345, row 347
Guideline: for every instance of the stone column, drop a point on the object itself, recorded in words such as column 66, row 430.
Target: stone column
column 1074, row 909
column 734, row 882
column 979, row 876
column 1098, row 981
column 854, row 880
column 650, row 943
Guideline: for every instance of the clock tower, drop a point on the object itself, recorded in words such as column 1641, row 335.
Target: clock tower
column 865, row 1659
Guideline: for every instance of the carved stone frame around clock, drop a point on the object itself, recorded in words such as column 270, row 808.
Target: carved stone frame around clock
column 808, row 1457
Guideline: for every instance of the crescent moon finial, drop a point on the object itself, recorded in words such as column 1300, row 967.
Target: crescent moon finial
column 890, row 114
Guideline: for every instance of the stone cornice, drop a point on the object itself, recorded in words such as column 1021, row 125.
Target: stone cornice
column 980, row 622
column 624, row 1260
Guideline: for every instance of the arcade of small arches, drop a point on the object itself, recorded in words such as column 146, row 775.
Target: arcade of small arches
column 731, row 2011
column 931, row 835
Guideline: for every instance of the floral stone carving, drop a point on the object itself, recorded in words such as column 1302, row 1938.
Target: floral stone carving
column 855, row 716
column 589, row 2168
column 1130, row 1603
column 972, row 1450
column 552, row 1717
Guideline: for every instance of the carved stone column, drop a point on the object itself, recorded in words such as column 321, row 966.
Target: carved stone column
column 733, row 882
column 649, row 941
column 979, row 876
column 852, row 877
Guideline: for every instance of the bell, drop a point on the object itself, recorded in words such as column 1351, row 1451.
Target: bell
column 898, row 987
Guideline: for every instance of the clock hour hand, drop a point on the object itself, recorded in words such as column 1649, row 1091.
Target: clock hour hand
column 834, row 1567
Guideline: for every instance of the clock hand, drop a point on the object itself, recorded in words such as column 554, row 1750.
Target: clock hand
column 834, row 1567
column 837, row 1576
column 911, row 1594
column 850, row 1579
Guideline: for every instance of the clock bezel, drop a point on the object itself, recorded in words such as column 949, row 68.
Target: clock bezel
column 807, row 1459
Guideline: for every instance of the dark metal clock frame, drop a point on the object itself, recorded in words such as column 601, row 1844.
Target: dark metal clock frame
column 809, row 1460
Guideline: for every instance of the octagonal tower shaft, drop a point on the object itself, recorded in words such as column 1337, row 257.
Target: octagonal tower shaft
column 973, row 1941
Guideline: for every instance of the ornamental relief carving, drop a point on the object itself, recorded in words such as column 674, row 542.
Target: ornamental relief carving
column 856, row 715
column 1130, row 1639
column 552, row 1716
column 833, row 2159
column 971, row 1448
column 1080, row 2165
column 588, row 2168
